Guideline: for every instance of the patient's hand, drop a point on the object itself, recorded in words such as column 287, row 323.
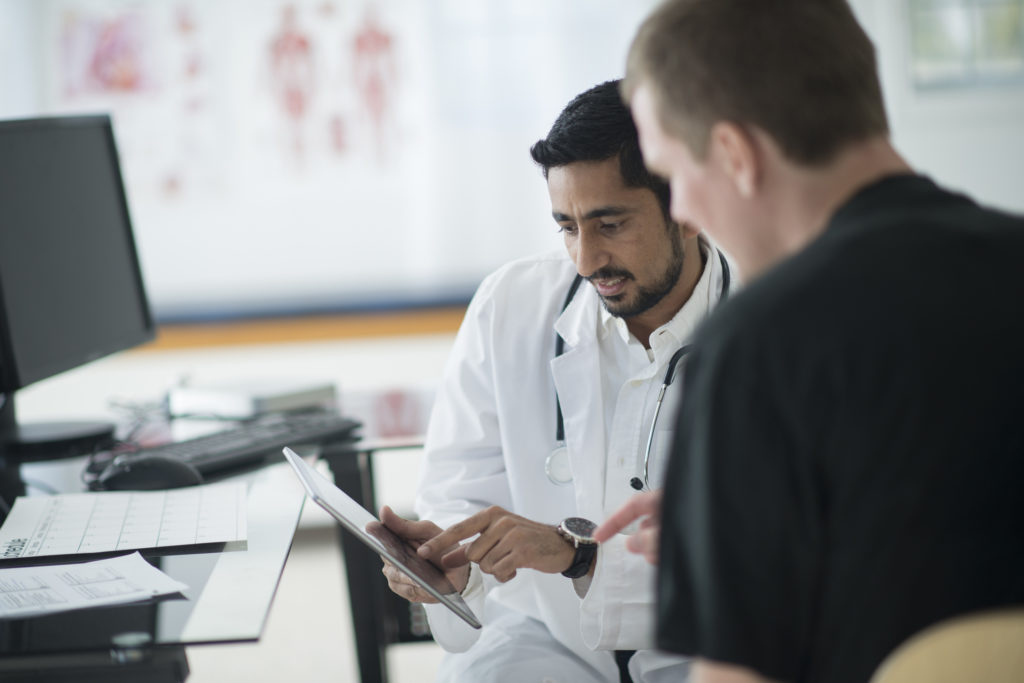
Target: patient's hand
column 416, row 533
column 645, row 540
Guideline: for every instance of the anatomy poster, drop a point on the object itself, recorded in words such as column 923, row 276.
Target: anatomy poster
column 287, row 155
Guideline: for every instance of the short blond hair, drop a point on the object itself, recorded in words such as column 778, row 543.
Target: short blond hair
column 803, row 71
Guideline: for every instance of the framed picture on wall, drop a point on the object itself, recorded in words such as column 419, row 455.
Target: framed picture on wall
column 957, row 43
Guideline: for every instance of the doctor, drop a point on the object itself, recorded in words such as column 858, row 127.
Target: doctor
column 545, row 421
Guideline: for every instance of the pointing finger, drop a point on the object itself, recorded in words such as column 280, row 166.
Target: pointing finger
column 455, row 533
column 642, row 505
column 455, row 558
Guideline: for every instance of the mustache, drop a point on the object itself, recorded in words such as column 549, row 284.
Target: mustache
column 610, row 273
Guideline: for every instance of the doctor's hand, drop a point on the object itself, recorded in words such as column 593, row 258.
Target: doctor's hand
column 416, row 532
column 645, row 540
column 507, row 542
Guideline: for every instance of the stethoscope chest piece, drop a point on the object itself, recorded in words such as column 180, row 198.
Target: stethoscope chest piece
column 557, row 465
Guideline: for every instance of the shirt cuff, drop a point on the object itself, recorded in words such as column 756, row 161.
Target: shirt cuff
column 582, row 584
column 475, row 583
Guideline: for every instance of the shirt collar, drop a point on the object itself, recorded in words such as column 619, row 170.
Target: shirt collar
column 680, row 328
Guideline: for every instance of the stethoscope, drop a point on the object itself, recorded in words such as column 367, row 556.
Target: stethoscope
column 557, row 464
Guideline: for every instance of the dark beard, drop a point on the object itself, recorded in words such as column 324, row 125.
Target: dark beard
column 646, row 297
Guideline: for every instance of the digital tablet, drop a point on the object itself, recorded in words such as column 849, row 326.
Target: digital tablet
column 381, row 540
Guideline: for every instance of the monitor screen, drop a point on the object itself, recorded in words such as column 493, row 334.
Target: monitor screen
column 71, row 289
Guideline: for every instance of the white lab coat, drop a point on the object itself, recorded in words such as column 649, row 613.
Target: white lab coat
column 491, row 430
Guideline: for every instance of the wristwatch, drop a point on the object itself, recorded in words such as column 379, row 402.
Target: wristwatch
column 580, row 533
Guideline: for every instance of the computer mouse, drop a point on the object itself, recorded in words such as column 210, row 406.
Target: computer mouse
column 146, row 473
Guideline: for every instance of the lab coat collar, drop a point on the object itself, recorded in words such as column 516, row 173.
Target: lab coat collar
column 577, row 376
column 578, row 322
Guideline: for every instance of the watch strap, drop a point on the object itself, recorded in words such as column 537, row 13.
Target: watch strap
column 577, row 531
column 581, row 561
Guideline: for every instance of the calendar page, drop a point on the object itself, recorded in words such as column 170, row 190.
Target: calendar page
column 80, row 523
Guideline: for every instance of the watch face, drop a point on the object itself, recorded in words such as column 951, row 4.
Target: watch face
column 580, row 527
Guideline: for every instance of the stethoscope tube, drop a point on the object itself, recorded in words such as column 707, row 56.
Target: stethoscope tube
column 645, row 483
column 636, row 482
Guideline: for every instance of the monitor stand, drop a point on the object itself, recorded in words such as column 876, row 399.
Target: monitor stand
column 34, row 441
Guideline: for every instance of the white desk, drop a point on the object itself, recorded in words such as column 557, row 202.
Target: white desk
column 358, row 368
column 355, row 366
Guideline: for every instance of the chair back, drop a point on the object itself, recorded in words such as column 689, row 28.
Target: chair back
column 983, row 646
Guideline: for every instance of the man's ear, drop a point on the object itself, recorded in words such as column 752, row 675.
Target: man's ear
column 736, row 152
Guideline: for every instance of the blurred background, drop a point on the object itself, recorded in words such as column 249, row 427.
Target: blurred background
column 327, row 156
column 286, row 157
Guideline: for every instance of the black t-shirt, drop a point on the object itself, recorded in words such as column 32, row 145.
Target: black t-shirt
column 850, row 465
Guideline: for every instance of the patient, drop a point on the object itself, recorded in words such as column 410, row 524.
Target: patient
column 850, row 453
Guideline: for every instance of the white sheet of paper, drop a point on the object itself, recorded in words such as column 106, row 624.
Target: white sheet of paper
column 32, row 591
column 78, row 523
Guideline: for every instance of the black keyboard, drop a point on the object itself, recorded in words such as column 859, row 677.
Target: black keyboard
column 253, row 442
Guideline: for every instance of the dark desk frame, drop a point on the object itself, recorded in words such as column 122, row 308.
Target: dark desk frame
column 165, row 664
column 379, row 617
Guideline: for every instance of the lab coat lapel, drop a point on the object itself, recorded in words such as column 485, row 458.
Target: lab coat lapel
column 577, row 377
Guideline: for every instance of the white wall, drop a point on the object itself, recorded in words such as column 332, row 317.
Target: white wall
column 231, row 220
column 240, row 208
column 970, row 139
column 18, row 59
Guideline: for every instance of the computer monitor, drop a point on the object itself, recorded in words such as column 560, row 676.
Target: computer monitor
column 71, row 288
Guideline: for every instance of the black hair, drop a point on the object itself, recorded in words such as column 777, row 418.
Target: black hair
column 597, row 125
